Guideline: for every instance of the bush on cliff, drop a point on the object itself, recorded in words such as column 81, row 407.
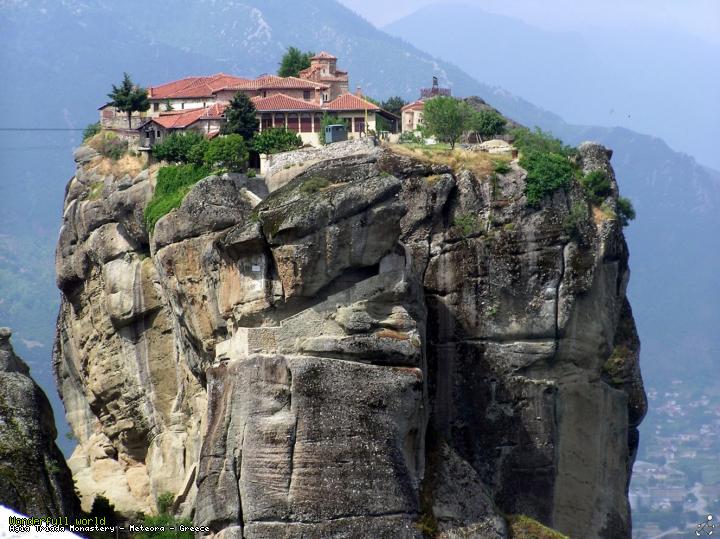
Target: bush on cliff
column 178, row 147
column 597, row 185
column 91, row 130
column 173, row 183
column 526, row 141
column 546, row 172
column 228, row 153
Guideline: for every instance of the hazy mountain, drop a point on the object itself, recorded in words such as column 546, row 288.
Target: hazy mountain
column 61, row 56
column 650, row 79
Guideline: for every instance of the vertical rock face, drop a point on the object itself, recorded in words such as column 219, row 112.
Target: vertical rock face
column 381, row 347
column 34, row 478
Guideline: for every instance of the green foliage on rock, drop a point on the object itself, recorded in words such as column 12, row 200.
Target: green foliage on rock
column 275, row 140
column 572, row 224
column 313, row 185
column 165, row 502
column 546, row 172
column 446, row 118
column 173, row 183
column 178, row 147
column 486, row 123
column 597, row 185
column 227, row 153
column 240, row 117
column 294, row 61
column 91, row 130
column 466, row 224
column 129, row 98
column 625, row 211
column 502, row 167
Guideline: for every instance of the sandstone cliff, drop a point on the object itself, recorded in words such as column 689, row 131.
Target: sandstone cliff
column 34, row 478
column 381, row 347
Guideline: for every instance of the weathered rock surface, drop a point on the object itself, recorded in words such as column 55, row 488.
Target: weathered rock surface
column 34, row 478
column 381, row 347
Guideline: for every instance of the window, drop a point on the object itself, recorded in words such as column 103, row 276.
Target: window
column 359, row 125
column 264, row 93
column 306, row 95
column 326, row 97
column 156, row 107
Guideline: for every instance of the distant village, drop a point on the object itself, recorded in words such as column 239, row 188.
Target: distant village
column 297, row 104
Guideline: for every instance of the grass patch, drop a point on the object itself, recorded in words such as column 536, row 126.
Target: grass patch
column 95, row 191
column 313, row 185
column 522, row 527
column 466, row 224
column 173, row 183
column 458, row 159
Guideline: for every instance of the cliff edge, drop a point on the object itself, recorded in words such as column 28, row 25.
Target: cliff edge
column 383, row 346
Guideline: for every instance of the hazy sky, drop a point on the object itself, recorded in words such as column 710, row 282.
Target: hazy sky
column 699, row 17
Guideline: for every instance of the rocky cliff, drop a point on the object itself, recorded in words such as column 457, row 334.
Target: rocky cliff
column 34, row 478
column 383, row 346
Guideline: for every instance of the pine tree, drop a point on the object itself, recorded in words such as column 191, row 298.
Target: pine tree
column 240, row 117
column 294, row 61
column 129, row 98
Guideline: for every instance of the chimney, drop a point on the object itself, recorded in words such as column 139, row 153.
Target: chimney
column 358, row 91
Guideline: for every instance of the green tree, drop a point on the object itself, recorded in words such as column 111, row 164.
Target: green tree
column 240, row 117
column 597, row 185
column 276, row 139
column 229, row 153
column 177, row 147
column 539, row 140
column 294, row 61
column 394, row 104
column 487, row 123
column 625, row 211
column 446, row 118
column 129, row 97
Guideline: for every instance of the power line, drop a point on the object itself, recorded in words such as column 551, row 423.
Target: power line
column 41, row 129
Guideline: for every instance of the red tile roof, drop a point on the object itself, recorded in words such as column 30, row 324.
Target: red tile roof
column 282, row 102
column 415, row 105
column 194, row 86
column 350, row 102
column 322, row 55
column 273, row 82
column 184, row 118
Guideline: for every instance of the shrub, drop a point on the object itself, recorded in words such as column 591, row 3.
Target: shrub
column 228, row 153
column 196, row 155
column 625, row 211
column 313, row 185
column 409, row 137
column 546, row 173
column 173, row 183
column 251, row 173
column 91, row 130
column 101, row 507
column 572, row 224
column 502, row 167
column 164, row 502
column 177, row 148
column 275, row 140
column 466, row 223
column 597, row 185
column 539, row 140
column 165, row 521
column 110, row 145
